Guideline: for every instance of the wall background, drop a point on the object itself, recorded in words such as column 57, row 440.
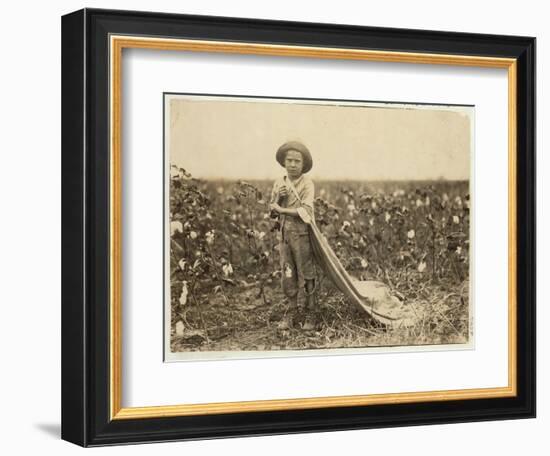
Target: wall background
column 31, row 211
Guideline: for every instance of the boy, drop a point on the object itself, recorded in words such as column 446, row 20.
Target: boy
column 298, row 273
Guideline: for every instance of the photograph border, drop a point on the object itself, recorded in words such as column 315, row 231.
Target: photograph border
column 376, row 104
column 92, row 46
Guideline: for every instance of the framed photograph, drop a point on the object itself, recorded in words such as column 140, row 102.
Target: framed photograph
column 391, row 212
column 279, row 227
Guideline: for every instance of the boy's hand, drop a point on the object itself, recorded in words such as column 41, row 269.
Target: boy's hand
column 283, row 192
column 275, row 207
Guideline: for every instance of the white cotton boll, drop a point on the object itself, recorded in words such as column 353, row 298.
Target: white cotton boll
column 179, row 328
column 398, row 192
column 174, row 171
column 456, row 220
column 193, row 235
column 410, row 234
column 345, row 224
column 227, row 269
column 210, row 237
column 387, row 217
column 183, row 295
column 288, row 271
column 459, row 250
column 176, row 227
column 371, row 222
column 419, row 203
column 364, row 263
column 182, row 264
column 421, row 266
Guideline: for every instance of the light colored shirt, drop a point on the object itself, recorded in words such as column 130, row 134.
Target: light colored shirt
column 305, row 189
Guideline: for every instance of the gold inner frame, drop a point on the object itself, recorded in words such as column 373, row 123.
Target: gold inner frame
column 117, row 44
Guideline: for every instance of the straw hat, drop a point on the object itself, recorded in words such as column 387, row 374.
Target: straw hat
column 298, row 147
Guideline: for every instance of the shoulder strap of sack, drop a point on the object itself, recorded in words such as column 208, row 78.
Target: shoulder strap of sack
column 292, row 188
column 306, row 218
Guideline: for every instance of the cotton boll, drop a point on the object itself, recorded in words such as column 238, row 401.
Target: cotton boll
column 183, row 295
column 288, row 271
column 176, row 227
column 227, row 269
column 210, row 237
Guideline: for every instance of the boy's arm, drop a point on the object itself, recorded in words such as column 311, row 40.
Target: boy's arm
column 288, row 211
column 307, row 202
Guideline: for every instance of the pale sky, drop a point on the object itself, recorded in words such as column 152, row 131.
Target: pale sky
column 234, row 139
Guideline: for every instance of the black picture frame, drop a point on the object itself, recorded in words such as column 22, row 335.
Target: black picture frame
column 86, row 387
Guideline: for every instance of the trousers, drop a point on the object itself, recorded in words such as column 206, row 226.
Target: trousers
column 297, row 263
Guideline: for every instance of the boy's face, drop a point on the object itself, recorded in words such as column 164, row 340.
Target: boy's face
column 294, row 163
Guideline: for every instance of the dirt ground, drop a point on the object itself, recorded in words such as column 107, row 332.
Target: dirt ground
column 247, row 322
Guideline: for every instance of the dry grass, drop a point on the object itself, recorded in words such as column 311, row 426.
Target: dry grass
column 245, row 322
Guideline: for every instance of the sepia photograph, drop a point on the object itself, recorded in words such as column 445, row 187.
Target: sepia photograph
column 297, row 227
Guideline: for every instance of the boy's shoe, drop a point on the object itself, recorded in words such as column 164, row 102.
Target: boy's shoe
column 310, row 302
column 298, row 317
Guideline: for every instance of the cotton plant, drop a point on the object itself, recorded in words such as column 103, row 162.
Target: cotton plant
column 229, row 246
